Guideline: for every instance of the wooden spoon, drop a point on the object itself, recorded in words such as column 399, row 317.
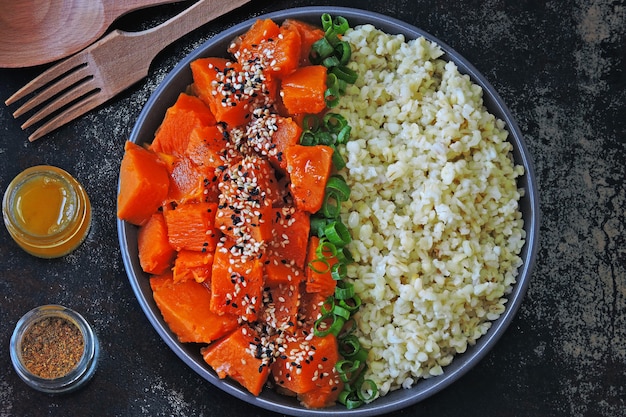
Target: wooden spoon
column 34, row 32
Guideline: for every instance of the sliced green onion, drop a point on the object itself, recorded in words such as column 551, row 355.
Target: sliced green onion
column 341, row 86
column 337, row 311
column 344, row 73
column 347, row 256
column 332, row 36
column 315, row 265
column 318, row 224
column 330, row 61
column 339, row 271
column 333, row 53
column 341, row 312
column 343, row 52
column 367, row 391
column 361, row 355
column 341, row 25
column 332, row 93
column 327, row 21
column 349, row 399
column 344, row 134
column 334, row 327
column 351, row 304
column 350, row 348
column 326, row 249
column 331, row 207
column 346, row 368
column 335, row 27
column 327, row 305
column 320, row 50
column 337, row 233
column 308, row 138
column 331, row 98
column 331, row 130
column 338, row 162
column 344, row 291
column 332, row 82
column 344, row 256
column 336, row 183
column 334, row 122
column 310, row 122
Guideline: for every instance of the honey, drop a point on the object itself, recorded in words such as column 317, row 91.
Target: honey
column 46, row 211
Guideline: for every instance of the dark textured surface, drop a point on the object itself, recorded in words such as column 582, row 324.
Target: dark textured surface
column 561, row 68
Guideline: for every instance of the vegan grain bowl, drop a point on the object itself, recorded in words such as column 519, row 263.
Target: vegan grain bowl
column 436, row 209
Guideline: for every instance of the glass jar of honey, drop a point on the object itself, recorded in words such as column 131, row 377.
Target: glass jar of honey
column 46, row 211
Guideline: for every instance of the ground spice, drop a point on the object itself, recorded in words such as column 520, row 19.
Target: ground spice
column 52, row 347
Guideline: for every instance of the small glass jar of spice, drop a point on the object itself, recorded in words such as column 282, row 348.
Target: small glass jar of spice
column 54, row 349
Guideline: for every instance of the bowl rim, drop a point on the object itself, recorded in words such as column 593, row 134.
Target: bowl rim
column 423, row 388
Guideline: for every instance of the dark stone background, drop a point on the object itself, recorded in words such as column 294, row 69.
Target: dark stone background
column 560, row 66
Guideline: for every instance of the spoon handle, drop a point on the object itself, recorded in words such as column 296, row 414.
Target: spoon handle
column 188, row 20
column 115, row 9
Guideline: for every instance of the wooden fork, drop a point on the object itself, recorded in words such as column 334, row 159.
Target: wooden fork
column 82, row 82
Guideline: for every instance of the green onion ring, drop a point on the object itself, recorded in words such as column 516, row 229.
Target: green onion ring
column 310, row 122
column 338, row 161
column 337, row 233
column 344, row 73
column 341, row 312
column 341, row 24
column 354, row 307
column 337, row 183
column 330, row 209
column 327, row 21
column 308, row 138
column 323, row 261
column 344, row 134
column 343, row 52
column 331, row 97
column 338, row 271
column 326, row 249
column 334, row 122
column 344, row 291
column 349, row 346
column 367, row 391
column 320, row 50
column 334, row 328
column 330, row 61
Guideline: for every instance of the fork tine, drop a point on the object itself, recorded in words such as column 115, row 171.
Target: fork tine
column 78, row 73
column 75, row 110
column 78, row 91
column 47, row 76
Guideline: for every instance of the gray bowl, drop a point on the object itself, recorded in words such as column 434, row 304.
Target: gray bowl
column 152, row 115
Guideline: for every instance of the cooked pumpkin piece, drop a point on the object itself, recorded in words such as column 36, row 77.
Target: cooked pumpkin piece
column 185, row 307
column 235, row 356
column 236, row 283
column 155, row 252
column 192, row 226
column 190, row 264
column 144, row 184
column 309, row 168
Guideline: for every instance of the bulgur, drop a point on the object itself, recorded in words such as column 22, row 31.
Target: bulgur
column 434, row 211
